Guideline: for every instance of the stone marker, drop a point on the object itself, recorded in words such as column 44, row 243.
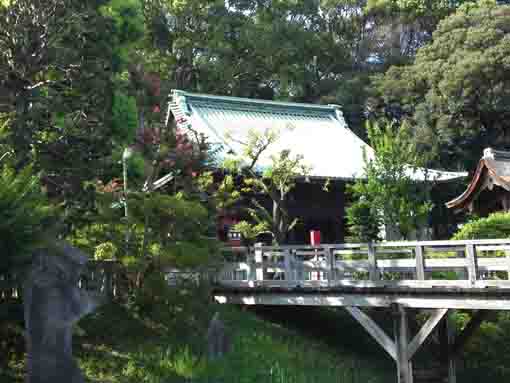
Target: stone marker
column 53, row 303
column 218, row 341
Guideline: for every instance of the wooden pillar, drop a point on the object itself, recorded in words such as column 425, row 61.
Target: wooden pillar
column 448, row 354
column 330, row 259
column 372, row 261
column 452, row 358
column 472, row 263
column 259, row 259
column 401, row 350
column 401, row 330
column 289, row 277
column 420, row 263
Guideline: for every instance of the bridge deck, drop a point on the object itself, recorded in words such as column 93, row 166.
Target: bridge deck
column 433, row 274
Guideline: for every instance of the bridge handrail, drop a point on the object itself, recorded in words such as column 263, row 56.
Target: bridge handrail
column 328, row 262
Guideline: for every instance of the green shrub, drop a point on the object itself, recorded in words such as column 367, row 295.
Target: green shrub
column 25, row 216
column 496, row 225
column 105, row 251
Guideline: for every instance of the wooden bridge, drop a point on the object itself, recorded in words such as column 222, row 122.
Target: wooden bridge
column 437, row 276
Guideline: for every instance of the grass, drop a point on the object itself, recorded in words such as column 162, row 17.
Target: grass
column 117, row 344
column 166, row 342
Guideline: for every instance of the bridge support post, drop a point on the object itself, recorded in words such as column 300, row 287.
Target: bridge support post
column 401, row 349
column 446, row 344
column 401, row 332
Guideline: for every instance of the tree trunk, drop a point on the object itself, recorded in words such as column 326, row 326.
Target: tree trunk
column 280, row 221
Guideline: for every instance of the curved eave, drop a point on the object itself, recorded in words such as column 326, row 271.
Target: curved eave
column 484, row 165
column 461, row 201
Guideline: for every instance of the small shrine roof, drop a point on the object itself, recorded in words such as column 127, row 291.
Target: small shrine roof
column 494, row 169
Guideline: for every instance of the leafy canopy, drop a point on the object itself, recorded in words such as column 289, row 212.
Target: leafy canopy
column 275, row 181
column 496, row 225
column 388, row 195
column 25, row 216
column 457, row 92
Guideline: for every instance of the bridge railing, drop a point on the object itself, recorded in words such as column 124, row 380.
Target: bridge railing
column 471, row 263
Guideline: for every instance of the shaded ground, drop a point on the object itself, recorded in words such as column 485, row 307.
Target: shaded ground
column 168, row 343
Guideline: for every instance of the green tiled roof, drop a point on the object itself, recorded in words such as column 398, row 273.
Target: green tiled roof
column 318, row 132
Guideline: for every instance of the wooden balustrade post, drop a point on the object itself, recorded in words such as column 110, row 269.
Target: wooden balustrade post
column 420, row 262
column 331, row 265
column 372, row 262
column 259, row 259
column 250, row 258
column 472, row 263
column 288, row 267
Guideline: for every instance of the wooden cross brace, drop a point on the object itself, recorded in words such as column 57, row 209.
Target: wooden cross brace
column 386, row 342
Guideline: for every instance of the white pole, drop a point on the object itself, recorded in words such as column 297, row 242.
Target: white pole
column 125, row 156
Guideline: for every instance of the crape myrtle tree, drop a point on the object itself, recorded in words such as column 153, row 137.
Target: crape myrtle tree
column 274, row 180
column 388, row 195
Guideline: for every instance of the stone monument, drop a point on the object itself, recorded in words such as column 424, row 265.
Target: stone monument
column 53, row 303
column 218, row 341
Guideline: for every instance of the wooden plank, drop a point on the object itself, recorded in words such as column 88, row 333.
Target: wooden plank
column 445, row 249
column 425, row 331
column 397, row 244
column 374, row 330
column 439, row 264
column 472, row 263
column 310, row 253
column 357, row 265
column 410, row 263
column 395, row 251
column 350, row 252
column 441, row 246
column 445, row 263
column 362, row 300
column 480, row 248
column 496, row 285
column 501, row 241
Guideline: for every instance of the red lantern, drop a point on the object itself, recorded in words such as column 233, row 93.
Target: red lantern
column 315, row 237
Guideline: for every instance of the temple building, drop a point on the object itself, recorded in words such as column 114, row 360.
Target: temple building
column 489, row 189
column 317, row 132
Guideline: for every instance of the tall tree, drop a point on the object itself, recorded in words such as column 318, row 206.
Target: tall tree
column 457, row 91
column 389, row 196
column 55, row 92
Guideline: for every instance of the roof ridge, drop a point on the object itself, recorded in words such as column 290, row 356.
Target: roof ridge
column 254, row 101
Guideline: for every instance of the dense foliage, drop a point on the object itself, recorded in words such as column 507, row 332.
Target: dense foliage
column 496, row 225
column 25, row 216
column 389, row 195
column 84, row 86
column 456, row 93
